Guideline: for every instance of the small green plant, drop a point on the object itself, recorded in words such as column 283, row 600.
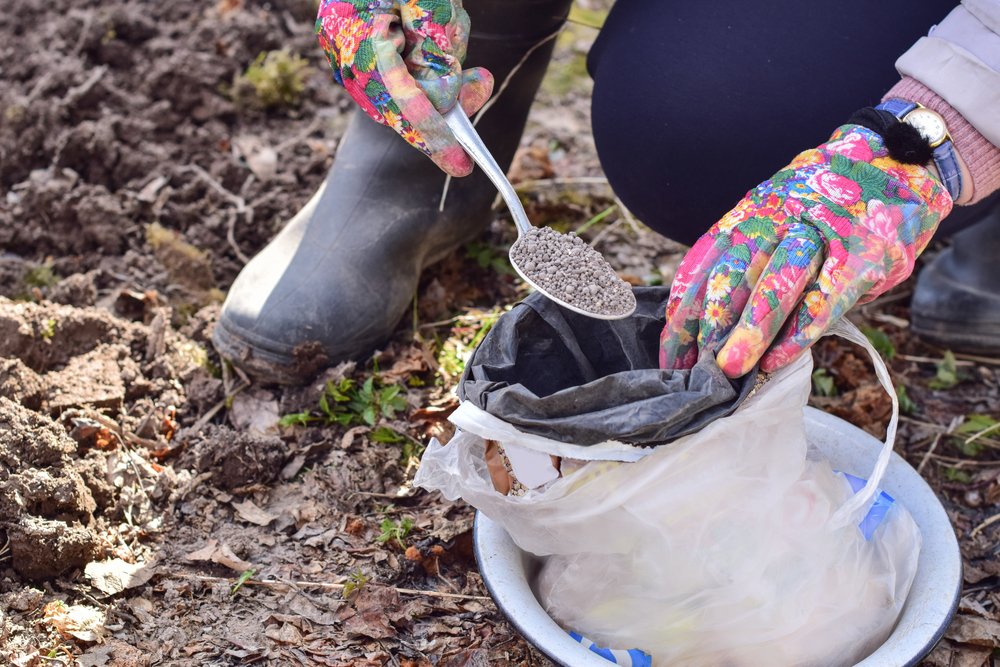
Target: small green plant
column 386, row 435
column 41, row 275
column 48, row 329
column 454, row 351
column 274, row 79
column 957, row 475
column 823, row 384
column 880, row 341
column 356, row 581
column 348, row 404
column 395, row 531
column 968, row 436
column 947, row 373
column 906, row 404
column 489, row 257
column 246, row 576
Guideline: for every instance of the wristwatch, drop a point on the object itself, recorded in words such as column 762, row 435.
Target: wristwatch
column 931, row 127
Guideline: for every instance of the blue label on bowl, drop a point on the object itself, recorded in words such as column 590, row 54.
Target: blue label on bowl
column 630, row 658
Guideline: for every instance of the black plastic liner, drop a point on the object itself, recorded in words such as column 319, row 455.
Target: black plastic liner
column 575, row 379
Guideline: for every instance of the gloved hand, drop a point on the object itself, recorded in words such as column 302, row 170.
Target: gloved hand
column 402, row 62
column 840, row 225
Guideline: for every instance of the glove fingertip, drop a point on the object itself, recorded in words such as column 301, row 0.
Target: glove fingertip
column 453, row 161
column 735, row 362
column 780, row 356
column 477, row 87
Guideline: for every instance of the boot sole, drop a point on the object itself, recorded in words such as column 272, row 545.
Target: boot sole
column 979, row 338
column 263, row 364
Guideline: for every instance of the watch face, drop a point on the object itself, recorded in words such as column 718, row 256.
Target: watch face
column 929, row 124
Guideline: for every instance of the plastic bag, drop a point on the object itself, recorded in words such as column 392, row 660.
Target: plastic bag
column 554, row 373
column 730, row 546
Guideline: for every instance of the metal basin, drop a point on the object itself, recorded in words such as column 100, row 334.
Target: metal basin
column 932, row 602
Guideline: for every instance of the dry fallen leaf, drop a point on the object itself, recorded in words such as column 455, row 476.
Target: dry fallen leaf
column 80, row 621
column 248, row 511
column 115, row 575
column 256, row 411
column 974, row 630
column 221, row 554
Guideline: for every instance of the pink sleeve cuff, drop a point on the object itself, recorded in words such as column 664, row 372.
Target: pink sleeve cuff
column 980, row 156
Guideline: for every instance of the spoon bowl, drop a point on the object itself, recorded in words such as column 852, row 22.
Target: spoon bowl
column 470, row 140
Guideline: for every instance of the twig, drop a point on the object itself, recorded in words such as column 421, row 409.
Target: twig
column 989, row 522
column 958, row 463
column 237, row 201
column 631, row 219
column 891, row 319
column 885, row 299
column 604, row 233
column 510, row 75
column 327, row 586
column 930, row 360
column 75, row 93
column 316, row 123
column 123, row 435
column 991, row 361
column 937, row 438
column 88, row 20
column 979, row 435
column 554, row 182
column 392, row 658
column 937, row 428
column 930, row 452
column 205, row 418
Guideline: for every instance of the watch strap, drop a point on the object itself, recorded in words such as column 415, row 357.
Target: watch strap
column 946, row 162
column 944, row 156
column 897, row 107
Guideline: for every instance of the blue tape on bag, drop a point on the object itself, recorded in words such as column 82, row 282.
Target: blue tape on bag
column 630, row 658
column 878, row 511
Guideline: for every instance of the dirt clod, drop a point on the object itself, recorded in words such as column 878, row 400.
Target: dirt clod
column 235, row 459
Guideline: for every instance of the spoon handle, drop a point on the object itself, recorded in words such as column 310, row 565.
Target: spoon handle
column 469, row 139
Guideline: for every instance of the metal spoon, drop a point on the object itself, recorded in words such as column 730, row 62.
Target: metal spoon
column 470, row 140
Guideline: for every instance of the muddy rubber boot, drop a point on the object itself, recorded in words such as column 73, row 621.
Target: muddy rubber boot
column 956, row 304
column 338, row 278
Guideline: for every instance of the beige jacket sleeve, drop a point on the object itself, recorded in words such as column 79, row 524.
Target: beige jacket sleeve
column 960, row 61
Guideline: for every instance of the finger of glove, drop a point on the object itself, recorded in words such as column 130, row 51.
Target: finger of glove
column 436, row 34
column 365, row 50
column 679, row 338
column 732, row 280
column 477, row 87
column 793, row 265
column 841, row 282
column 400, row 101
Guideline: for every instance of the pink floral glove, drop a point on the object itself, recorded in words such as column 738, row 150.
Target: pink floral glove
column 402, row 62
column 840, row 225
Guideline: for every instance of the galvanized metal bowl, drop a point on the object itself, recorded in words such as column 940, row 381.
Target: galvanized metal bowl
column 932, row 602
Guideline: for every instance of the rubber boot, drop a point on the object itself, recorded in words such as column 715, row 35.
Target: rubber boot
column 333, row 284
column 956, row 304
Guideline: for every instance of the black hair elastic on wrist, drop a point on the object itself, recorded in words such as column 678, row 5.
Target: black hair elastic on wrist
column 904, row 143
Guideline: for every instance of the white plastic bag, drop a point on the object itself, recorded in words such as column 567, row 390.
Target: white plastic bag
column 726, row 547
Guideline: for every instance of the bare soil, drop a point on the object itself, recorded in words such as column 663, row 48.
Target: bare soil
column 140, row 477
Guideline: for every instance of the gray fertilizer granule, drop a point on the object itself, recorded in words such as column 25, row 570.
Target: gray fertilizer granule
column 565, row 267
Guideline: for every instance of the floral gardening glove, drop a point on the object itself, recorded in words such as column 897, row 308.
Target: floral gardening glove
column 402, row 62
column 840, row 225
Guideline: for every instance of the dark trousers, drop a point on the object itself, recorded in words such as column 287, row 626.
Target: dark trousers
column 697, row 102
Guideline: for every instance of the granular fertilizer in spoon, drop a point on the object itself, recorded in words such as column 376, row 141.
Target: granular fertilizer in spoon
column 569, row 269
